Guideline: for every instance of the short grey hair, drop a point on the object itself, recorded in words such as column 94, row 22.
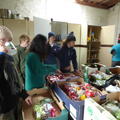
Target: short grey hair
column 6, row 33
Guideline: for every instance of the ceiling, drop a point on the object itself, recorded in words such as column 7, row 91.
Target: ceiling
column 105, row 4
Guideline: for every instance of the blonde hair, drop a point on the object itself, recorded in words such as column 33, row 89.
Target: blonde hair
column 23, row 38
column 6, row 33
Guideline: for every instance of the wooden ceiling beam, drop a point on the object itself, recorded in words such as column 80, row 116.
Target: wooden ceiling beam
column 104, row 1
column 112, row 3
column 92, row 4
column 98, row 1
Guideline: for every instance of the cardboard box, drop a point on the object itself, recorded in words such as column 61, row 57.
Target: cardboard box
column 40, row 94
column 76, row 108
column 101, row 68
column 115, row 70
column 94, row 111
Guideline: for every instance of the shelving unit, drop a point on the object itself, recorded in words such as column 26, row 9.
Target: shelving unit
column 93, row 44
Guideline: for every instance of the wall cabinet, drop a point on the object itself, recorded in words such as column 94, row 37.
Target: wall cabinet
column 107, row 38
column 19, row 27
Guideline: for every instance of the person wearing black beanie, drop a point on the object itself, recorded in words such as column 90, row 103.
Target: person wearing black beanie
column 68, row 55
column 52, row 50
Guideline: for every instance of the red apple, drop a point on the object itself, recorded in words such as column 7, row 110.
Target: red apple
column 89, row 94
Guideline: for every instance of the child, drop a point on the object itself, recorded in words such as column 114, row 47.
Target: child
column 22, row 51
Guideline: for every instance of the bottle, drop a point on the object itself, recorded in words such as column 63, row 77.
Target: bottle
column 92, row 36
column 11, row 48
column 86, row 78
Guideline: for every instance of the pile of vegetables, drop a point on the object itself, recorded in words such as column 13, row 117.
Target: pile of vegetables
column 80, row 91
column 44, row 109
column 114, row 108
column 98, row 78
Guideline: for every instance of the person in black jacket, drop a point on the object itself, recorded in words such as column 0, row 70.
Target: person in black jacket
column 67, row 55
column 10, row 87
column 52, row 50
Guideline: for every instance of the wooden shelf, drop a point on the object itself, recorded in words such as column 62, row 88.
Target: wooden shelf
column 93, row 58
column 94, row 50
column 94, row 44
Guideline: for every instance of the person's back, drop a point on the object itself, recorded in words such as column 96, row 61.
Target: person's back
column 8, row 79
column 35, row 69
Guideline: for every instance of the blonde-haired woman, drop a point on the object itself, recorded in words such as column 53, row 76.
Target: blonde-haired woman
column 10, row 89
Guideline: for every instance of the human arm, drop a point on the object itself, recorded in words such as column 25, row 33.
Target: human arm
column 74, row 60
column 113, row 52
column 27, row 98
column 34, row 63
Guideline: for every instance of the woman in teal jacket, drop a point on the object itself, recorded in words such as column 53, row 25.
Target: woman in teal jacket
column 35, row 69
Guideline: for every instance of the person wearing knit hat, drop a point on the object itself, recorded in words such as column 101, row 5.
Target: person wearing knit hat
column 53, row 50
column 51, row 34
column 10, row 88
column 67, row 55
column 51, row 38
column 115, row 51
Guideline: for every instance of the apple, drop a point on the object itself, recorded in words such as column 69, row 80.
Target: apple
column 89, row 93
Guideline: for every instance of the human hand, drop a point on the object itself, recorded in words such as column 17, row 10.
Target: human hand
column 68, row 68
column 58, row 71
column 28, row 100
column 78, row 73
column 3, row 49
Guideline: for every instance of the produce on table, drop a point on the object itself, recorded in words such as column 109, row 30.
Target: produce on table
column 44, row 109
column 55, row 77
column 78, row 91
column 59, row 77
column 114, row 108
column 112, row 88
column 98, row 77
column 117, row 114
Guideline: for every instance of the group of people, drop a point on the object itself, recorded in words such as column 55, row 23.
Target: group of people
column 27, row 69
column 34, row 60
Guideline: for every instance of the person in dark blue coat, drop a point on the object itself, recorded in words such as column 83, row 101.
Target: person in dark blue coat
column 53, row 50
column 67, row 55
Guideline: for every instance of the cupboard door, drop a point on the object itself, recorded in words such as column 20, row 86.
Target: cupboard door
column 55, row 27
column 30, row 29
column 83, row 50
column 1, row 22
column 18, row 27
column 59, row 28
column 42, row 26
column 107, row 39
column 76, row 28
